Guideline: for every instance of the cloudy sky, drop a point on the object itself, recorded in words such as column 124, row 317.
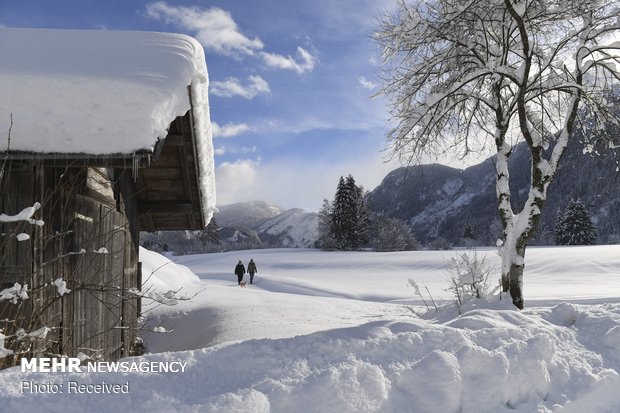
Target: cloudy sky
column 291, row 82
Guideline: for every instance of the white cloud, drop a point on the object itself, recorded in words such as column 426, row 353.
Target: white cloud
column 224, row 150
column 304, row 63
column 292, row 183
column 232, row 87
column 228, row 130
column 365, row 83
column 234, row 180
column 214, row 28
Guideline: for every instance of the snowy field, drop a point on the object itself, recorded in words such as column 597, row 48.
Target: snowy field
column 343, row 332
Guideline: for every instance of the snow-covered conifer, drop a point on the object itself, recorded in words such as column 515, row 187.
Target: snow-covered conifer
column 325, row 239
column 558, row 230
column 349, row 215
column 468, row 232
column 576, row 225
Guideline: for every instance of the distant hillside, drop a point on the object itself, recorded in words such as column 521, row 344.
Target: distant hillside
column 292, row 228
column 246, row 214
column 243, row 225
column 439, row 201
column 266, row 225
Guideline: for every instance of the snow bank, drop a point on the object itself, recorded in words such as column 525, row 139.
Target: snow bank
column 161, row 275
column 164, row 286
column 486, row 361
column 290, row 343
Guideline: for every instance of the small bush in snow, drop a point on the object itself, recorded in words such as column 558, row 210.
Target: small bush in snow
column 469, row 277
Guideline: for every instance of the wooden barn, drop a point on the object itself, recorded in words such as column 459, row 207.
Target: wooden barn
column 107, row 135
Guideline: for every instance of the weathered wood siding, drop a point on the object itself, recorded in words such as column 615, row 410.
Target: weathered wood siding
column 87, row 240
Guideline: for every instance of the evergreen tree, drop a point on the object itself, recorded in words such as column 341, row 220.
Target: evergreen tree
column 391, row 234
column 559, row 232
column 349, row 215
column 468, row 232
column 326, row 239
column 359, row 211
column 363, row 218
column 468, row 239
column 341, row 215
column 576, row 227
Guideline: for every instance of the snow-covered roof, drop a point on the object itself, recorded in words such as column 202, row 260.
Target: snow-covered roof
column 103, row 93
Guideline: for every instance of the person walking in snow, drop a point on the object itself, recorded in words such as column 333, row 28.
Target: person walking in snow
column 239, row 270
column 252, row 269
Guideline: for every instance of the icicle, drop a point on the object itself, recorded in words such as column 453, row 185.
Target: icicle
column 134, row 169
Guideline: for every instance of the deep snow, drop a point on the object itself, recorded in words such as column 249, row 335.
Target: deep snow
column 94, row 91
column 337, row 332
column 102, row 92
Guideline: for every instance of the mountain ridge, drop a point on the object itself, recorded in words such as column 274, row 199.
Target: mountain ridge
column 438, row 201
column 262, row 224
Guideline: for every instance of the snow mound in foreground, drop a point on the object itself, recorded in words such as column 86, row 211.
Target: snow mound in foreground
column 160, row 274
column 490, row 359
column 540, row 360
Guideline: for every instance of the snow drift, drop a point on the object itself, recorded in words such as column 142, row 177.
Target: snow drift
column 300, row 346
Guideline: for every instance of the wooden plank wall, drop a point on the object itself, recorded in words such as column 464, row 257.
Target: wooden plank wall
column 127, row 203
column 96, row 318
column 16, row 192
column 16, row 258
column 93, row 309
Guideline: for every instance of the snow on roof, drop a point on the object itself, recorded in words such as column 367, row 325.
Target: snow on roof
column 103, row 92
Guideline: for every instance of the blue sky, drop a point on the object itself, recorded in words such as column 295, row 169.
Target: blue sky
column 290, row 92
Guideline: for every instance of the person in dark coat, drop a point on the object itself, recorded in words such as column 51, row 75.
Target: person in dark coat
column 239, row 270
column 252, row 269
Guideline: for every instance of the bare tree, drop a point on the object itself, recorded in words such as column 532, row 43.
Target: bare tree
column 477, row 74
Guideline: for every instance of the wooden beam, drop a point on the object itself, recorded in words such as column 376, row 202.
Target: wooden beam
column 185, row 167
column 195, row 155
column 80, row 160
column 165, row 207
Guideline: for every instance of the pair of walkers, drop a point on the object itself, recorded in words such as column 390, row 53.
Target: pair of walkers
column 240, row 271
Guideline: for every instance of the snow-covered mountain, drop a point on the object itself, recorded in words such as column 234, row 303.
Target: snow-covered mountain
column 439, row 201
column 246, row 214
column 292, row 228
column 260, row 224
column 243, row 225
